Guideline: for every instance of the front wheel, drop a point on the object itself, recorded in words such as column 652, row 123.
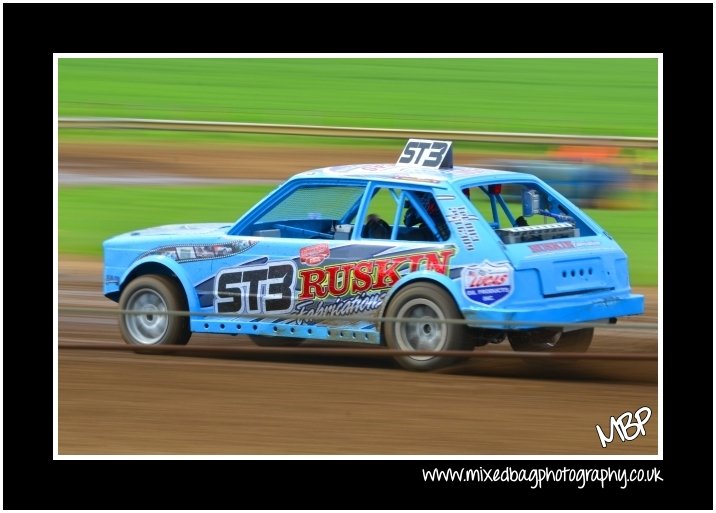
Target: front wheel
column 424, row 306
column 153, row 294
column 551, row 340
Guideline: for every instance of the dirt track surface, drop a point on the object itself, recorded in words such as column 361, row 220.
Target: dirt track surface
column 212, row 162
column 125, row 403
column 237, row 162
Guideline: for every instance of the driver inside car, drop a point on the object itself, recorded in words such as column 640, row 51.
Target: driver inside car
column 413, row 218
column 375, row 228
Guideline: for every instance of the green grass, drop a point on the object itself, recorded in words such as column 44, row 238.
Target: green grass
column 572, row 96
column 636, row 233
column 89, row 215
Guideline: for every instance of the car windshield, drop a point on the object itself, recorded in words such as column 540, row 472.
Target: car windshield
column 314, row 202
column 310, row 211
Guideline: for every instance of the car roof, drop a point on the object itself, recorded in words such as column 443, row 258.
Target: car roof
column 414, row 174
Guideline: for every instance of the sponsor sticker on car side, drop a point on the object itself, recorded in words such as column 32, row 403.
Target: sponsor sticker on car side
column 314, row 255
column 488, row 283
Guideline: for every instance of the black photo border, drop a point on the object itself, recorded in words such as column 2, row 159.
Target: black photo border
column 33, row 32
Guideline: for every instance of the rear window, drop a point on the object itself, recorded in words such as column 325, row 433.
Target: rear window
column 526, row 212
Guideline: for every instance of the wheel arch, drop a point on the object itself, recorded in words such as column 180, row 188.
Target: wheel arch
column 433, row 278
column 164, row 267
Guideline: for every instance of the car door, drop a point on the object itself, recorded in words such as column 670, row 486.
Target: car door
column 284, row 239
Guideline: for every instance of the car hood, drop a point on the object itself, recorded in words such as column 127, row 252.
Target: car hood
column 181, row 229
column 148, row 238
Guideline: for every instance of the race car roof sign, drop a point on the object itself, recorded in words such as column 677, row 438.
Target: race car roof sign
column 427, row 153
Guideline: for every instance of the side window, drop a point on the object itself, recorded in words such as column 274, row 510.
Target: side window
column 404, row 215
column 423, row 218
column 380, row 215
column 498, row 203
column 310, row 212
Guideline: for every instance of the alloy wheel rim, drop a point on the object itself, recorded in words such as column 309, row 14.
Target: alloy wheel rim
column 422, row 330
column 147, row 328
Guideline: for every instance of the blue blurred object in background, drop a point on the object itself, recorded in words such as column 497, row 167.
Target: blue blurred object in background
column 585, row 183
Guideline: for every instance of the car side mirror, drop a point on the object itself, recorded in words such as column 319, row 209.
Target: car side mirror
column 530, row 202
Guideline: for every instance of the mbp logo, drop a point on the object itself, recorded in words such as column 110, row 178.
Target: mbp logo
column 625, row 422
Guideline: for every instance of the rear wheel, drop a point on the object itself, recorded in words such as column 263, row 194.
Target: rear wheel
column 275, row 341
column 153, row 294
column 551, row 340
column 424, row 306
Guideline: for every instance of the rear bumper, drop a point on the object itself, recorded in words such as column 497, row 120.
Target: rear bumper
column 520, row 318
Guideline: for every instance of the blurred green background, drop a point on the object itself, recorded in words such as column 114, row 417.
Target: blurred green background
column 570, row 96
column 563, row 96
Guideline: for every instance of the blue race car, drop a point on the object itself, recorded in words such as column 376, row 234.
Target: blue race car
column 333, row 251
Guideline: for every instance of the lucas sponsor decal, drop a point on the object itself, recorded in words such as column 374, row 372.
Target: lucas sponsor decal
column 488, row 283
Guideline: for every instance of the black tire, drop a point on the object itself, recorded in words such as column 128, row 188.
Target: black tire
column 154, row 293
column 544, row 340
column 275, row 341
column 482, row 336
column 421, row 300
